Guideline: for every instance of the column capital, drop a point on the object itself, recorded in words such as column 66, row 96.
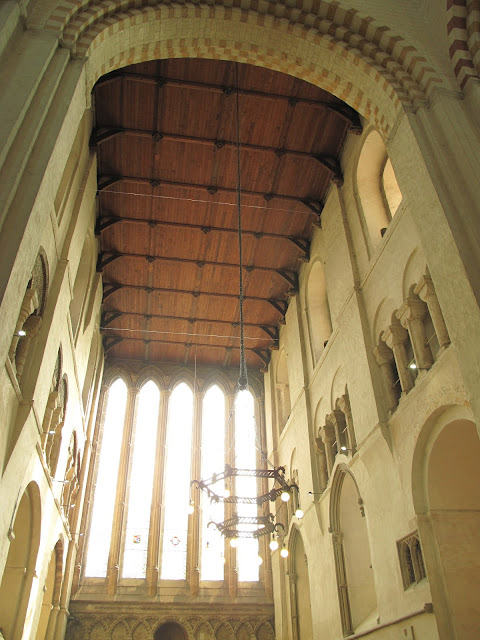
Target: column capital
column 383, row 354
column 394, row 335
column 411, row 309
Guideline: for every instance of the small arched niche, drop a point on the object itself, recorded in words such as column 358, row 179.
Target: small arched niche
column 318, row 312
column 300, row 589
column 378, row 189
column 170, row 631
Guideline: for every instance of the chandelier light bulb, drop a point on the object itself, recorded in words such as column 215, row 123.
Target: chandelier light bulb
column 226, row 493
column 285, row 496
column 190, row 508
column 22, row 333
column 299, row 513
column 284, row 552
column 259, row 560
column 273, row 545
column 233, row 542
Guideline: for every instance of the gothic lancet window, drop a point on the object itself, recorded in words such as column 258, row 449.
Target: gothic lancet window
column 106, row 481
column 141, row 483
column 212, row 460
column 245, row 458
column 177, row 483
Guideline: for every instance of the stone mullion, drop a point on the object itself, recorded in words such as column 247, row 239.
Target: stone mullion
column 119, row 513
column 89, row 488
column 153, row 552
column 230, row 552
column 328, row 440
column 292, row 578
column 193, row 552
column 411, row 315
column 322, row 463
column 426, row 292
column 337, row 420
column 384, row 357
column 345, row 613
column 344, row 404
column 263, row 549
column 47, row 418
column 395, row 338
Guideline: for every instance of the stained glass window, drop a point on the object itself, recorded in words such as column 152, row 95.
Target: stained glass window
column 106, row 482
column 177, row 483
column 141, row 483
column 212, row 461
column 246, row 458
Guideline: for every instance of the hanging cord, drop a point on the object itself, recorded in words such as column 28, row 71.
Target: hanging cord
column 243, row 378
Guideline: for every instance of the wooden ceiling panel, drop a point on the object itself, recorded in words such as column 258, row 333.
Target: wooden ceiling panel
column 167, row 205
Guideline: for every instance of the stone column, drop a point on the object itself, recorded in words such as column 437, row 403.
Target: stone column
column 384, row 357
column 337, row 419
column 265, row 572
column 292, row 581
column 119, row 513
column 193, row 552
column 411, row 315
column 157, row 493
column 344, row 405
column 47, row 418
column 395, row 337
column 328, row 437
column 337, row 538
column 322, row 463
column 426, row 292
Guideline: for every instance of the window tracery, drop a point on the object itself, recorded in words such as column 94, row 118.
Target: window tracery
column 411, row 560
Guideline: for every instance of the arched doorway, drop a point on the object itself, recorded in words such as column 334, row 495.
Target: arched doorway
column 19, row 570
column 353, row 564
column 301, row 608
column 449, row 524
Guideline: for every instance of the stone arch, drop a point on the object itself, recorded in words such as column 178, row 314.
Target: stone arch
column 353, row 565
column 170, row 630
column 378, row 191
column 118, row 370
column 300, row 601
column 51, row 593
column 394, row 65
column 264, row 631
column 141, row 632
column 415, row 267
column 463, row 31
column 319, row 322
column 82, row 281
column 19, row 573
column 224, row 631
column 244, row 631
column 182, row 376
column 120, row 631
column 446, row 501
column 221, row 380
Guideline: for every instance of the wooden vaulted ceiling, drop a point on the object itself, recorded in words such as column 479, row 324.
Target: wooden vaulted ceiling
column 165, row 135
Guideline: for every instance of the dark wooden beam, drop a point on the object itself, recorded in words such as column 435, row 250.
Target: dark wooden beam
column 105, row 181
column 343, row 111
column 106, row 220
column 102, row 134
column 288, row 275
column 111, row 287
column 187, row 343
column 110, row 315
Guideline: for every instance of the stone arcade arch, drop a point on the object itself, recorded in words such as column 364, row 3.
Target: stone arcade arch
column 446, row 480
column 170, row 631
column 353, row 564
column 19, row 573
column 300, row 607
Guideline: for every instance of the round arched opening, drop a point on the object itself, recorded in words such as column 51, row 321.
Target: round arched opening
column 170, row 631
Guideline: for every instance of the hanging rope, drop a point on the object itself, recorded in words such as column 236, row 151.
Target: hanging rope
column 243, row 379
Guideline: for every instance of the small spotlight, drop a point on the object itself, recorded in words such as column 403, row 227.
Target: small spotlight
column 284, row 552
column 412, row 365
column 344, row 448
column 273, row 545
column 299, row 514
column 51, row 433
column 285, row 496
column 233, row 542
column 22, row 333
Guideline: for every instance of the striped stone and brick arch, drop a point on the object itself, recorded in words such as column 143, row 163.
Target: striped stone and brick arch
column 463, row 29
column 381, row 72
